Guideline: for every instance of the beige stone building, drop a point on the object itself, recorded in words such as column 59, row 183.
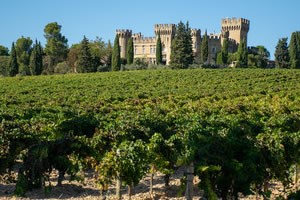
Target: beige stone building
column 235, row 29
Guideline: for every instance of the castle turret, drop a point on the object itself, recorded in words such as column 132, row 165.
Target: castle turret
column 124, row 35
column 237, row 27
column 167, row 33
column 196, row 38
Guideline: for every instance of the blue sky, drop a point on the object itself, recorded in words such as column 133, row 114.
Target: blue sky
column 270, row 20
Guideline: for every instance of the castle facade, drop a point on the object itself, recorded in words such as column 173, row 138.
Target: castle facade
column 234, row 29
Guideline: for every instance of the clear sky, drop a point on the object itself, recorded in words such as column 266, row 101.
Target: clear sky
column 269, row 19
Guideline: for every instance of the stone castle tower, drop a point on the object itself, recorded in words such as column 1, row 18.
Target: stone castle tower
column 123, row 35
column 237, row 28
column 167, row 33
column 196, row 39
column 234, row 29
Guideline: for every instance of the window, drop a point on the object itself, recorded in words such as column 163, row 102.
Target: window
column 143, row 49
column 214, row 50
column 135, row 50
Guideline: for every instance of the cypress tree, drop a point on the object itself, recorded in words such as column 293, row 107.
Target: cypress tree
column 242, row 54
column 188, row 45
column 109, row 53
column 181, row 49
column 222, row 56
column 225, row 51
column 282, row 58
column 158, row 50
column 204, row 48
column 294, row 50
column 116, row 57
column 40, row 54
column 36, row 59
column 13, row 62
column 130, row 53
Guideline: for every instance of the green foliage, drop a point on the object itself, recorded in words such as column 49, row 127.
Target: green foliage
column 13, row 61
column 130, row 51
column 36, row 59
column 76, row 121
column 204, row 48
column 4, row 51
column 62, row 68
column 294, row 50
column 116, row 57
column 23, row 50
column 224, row 52
column 57, row 45
column 242, row 54
column 4, row 63
column 282, row 57
column 84, row 62
column 181, row 49
column 158, row 50
column 258, row 57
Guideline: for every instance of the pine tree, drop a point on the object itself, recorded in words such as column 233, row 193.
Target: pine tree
column 85, row 58
column 130, row 53
column 13, row 62
column 181, row 49
column 57, row 45
column 116, row 57
column 204, row 48
column 282, row 58
column 242, row 54
column 294, row 50
column 158, row 50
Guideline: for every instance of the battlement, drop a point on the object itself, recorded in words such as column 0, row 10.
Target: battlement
column 235, row 21
column 213, row 36
column 144, row 39
column 164, row 29
column 195, row 32
column 124, row 32
column 137, row 36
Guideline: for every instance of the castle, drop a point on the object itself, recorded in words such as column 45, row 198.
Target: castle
column 234, row 29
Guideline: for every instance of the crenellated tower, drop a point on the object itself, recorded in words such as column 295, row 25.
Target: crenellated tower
column 123, row 35
column 196, row 39
column 167, row 33
column 237, row 28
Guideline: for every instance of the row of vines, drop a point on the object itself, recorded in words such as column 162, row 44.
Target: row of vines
column 235, row 129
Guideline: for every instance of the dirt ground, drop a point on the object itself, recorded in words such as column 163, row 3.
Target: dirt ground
column 88, row 190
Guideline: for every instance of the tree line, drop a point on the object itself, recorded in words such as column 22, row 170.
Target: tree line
column 28, row 58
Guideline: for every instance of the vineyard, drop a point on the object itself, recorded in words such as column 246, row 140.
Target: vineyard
column 235, row 129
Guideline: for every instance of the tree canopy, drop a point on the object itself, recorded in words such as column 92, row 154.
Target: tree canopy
column 116, row 56
column 242, row 54
column 204, row 48
column 294, row 50
column 158, row 50
column 85, row 63
column 4, row 51
column 56, row 46
column 181, row 49
column 13, row 61
column 282, row 57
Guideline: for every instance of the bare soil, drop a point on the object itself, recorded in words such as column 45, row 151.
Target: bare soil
column 88, row 190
